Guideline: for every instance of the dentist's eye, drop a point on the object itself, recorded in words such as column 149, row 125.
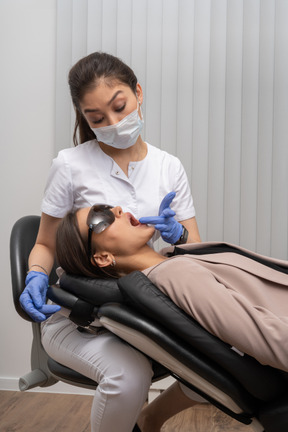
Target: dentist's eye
column 97, row 121
column 121, row 108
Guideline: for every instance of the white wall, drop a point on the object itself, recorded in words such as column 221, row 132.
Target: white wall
column 27, row 89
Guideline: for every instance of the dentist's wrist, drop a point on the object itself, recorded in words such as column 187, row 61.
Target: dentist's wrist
column 183, row 238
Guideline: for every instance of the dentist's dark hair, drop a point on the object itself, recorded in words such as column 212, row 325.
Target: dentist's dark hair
column 84, row 77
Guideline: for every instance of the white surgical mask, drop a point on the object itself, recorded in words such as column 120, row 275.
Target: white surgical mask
column 123, row 134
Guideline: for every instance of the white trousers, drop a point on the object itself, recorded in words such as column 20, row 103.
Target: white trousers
column 123, row 374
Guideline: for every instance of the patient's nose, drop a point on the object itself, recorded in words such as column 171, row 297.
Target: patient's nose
column 118, row 211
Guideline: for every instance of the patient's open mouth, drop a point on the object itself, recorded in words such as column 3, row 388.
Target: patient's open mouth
column 133, row 221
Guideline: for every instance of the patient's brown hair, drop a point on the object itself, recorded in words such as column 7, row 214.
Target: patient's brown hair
column 72, row 251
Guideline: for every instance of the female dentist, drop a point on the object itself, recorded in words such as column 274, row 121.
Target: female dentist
column 111, row 164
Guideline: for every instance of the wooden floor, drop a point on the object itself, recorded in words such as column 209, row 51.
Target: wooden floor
column 47, row 412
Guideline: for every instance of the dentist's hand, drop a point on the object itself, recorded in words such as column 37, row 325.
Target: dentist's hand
column 170, row 229
column 33, row 297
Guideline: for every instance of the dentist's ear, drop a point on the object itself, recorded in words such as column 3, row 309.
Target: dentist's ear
column 139, row 93
column 103, row 259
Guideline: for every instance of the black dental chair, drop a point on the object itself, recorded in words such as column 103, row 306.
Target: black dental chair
column 44, row 370
column 135, row 310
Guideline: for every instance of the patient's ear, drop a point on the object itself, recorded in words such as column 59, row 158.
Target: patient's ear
column 103, row 259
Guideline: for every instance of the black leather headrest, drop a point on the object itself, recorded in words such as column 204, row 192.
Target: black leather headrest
column 94, row 291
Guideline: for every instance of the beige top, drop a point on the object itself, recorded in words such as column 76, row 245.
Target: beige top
column 239, row 300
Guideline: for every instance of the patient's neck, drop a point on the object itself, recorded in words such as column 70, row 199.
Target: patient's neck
column 146, row 258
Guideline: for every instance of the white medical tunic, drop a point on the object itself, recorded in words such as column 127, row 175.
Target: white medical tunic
column 84, row 175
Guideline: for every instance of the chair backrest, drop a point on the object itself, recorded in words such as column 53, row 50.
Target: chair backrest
column 262, row 382
column 22, row 240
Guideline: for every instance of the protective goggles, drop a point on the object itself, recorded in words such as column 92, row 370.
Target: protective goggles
column 99, row 218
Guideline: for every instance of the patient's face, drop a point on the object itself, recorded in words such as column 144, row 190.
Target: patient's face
column 125, row 236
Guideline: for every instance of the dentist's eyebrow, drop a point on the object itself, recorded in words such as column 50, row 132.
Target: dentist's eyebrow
column 88, row 110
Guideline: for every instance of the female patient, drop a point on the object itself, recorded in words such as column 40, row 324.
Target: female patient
column 238, row 296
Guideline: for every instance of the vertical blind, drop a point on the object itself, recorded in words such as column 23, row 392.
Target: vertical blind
column 215, row 80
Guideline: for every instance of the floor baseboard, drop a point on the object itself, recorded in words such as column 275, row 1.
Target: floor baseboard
column 11, row 384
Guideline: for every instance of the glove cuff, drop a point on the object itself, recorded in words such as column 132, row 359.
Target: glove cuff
column 32, row 274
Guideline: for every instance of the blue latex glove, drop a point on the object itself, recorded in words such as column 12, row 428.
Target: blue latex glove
column 169, row 228
column 33, row 297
